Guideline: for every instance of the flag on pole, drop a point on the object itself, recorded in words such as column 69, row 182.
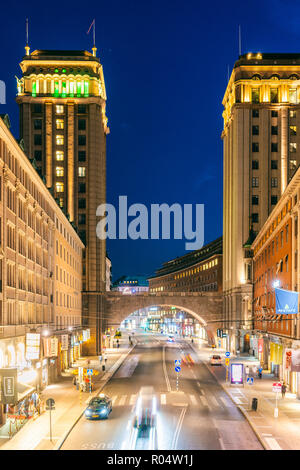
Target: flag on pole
column 93, row 22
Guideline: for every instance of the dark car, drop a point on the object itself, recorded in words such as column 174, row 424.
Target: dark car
column 99, row 407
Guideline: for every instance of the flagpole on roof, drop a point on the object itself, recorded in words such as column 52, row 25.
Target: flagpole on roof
column 27, row 48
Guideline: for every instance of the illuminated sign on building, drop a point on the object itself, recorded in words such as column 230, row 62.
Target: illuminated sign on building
column 237, row 373
column 32, row 346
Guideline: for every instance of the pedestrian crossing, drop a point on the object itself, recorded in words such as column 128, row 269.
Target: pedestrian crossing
column 200, row 398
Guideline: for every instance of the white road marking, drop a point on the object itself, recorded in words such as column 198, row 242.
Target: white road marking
column 204, row 401
column 272, row 443
column 226, row 403
column 163, row 399
column 165, row 370
column 193, row 400
column 132, row 400
column 114, row 399
column 122, row 400
column 178, row 429
column 214, row 400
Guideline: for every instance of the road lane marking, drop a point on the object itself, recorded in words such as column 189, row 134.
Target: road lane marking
column 204, row 402
column 214, row 400
column 114, row 399
column 193, row 400
column 132, row 400
column 226, row 403
column 165, row 370
column 122, row 400
column 272, row 443
column 178, row 428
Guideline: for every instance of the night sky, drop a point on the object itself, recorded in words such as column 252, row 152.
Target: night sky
column 165, row 66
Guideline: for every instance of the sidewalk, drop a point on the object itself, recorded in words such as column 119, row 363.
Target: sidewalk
column 69, row 405
column 281, row 433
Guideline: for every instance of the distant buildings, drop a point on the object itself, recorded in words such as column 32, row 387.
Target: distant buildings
column 131, row 284
column 197, row 271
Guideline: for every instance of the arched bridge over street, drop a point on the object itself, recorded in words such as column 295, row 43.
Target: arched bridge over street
column 206, row 307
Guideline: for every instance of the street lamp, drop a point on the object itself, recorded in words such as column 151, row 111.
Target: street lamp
column 276, row 283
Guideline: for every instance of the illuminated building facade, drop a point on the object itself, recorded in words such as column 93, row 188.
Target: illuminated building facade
column 62, row 102
column 276, row 261
column 198, row 271
column 36, row 239
column 261, row 153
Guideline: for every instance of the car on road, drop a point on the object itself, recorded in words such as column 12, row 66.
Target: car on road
column 171, row 339
column 99, row 407
column 146, row 408
column 215, row 360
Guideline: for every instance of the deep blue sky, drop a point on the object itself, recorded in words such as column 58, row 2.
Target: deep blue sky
column 165, row 65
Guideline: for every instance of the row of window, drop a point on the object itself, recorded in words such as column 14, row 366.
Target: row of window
column 279, row 240
column 59, row 171
column 59, row 139
column 59, row 124
column 255, row 182
column 59, row 108
column 255, row 200
column 274, row 130
column 274, row 113
column 274, row 147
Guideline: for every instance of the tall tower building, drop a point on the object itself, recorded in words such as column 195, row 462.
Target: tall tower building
column 62, row 101
column 261, row 153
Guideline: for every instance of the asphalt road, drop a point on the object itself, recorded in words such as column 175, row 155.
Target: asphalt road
column 193, row 410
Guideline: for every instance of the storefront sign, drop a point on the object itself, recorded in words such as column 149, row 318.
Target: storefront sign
column 54, row 347
column 286, row 301
column 288, row 358
column 237, row 373
column 276, row 353
column 276, row 387
column 32, row 346
column 9, row 394
column 64, row 342
column 295, row 365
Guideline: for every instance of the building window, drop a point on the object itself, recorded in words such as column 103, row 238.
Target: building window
column 274, row 182
column 255, row 95
column 255, row 200
column 59, row 109
column 255, row 147
column 59, row 140
column 293, row 165
column 274, row 164
column 37, row 108
column 292, row 113
column 59, row 124
column 59, row 170
column 81, row 188
column 274, row 130
column 81, row 219
column 293, row 95
column 274, row 95
column 59, row 155
column 81, row 124
column 37, row 124
column 255, row 113
column 37, row 139
column 81, row 156
column 81, row 203
column 38, row 155
column 293, row 130
column 293, row 147
column 274, row 200
column 274, row 113
column 255, row 164
column 254, row 217
column 274, row 147
column 81, row 140
column 81, row 109
column 255, row 130
column 59, row 187
column 255, row 182
column 81, row 171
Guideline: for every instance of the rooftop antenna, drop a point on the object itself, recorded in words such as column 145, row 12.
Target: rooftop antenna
column 94, row 48
column 228, row 76
column 27, row 48
column 240, row 41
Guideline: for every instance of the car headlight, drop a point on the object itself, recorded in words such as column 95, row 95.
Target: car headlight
column 88, row 412
column 103, row 411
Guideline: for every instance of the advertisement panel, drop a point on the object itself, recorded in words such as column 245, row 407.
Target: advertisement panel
column 54, row 347
column 295, row 363
column 286, row 301
column 9, row 393
column 64, row 342
column 32, row 346
column 237, row 374
column 276, row 353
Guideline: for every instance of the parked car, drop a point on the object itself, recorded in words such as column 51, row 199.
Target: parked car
column 215, row 360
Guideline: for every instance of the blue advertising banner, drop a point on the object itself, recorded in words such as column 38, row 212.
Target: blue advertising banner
column 286, row 301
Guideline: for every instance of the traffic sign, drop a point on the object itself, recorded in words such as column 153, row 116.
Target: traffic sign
column 276, row 387
column 227, row 361
column 227, row 354
column 177, row 362
column 250, row 380
column 89, row 372
column 177, row 369
column 50, row 404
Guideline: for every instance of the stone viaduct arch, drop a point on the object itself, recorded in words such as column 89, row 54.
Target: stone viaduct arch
column 206, row 307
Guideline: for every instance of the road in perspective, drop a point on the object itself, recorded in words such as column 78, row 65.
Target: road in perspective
column 193, row 411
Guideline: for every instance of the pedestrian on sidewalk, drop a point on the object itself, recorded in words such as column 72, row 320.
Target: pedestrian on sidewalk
column 247, row 371
column 260, row 372
column 283, row 389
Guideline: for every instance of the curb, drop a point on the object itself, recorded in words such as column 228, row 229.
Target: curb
column 242, row 410
column 60, row 442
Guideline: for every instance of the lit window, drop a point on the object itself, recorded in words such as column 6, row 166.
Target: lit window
column 59, row 109
column 59, row 187
column 81, row 171
column 59, row 123
column 59, row 171
column 59, row 155
column 59, row 140
column 293, row 147
column 293, row 130
column 293, row 95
